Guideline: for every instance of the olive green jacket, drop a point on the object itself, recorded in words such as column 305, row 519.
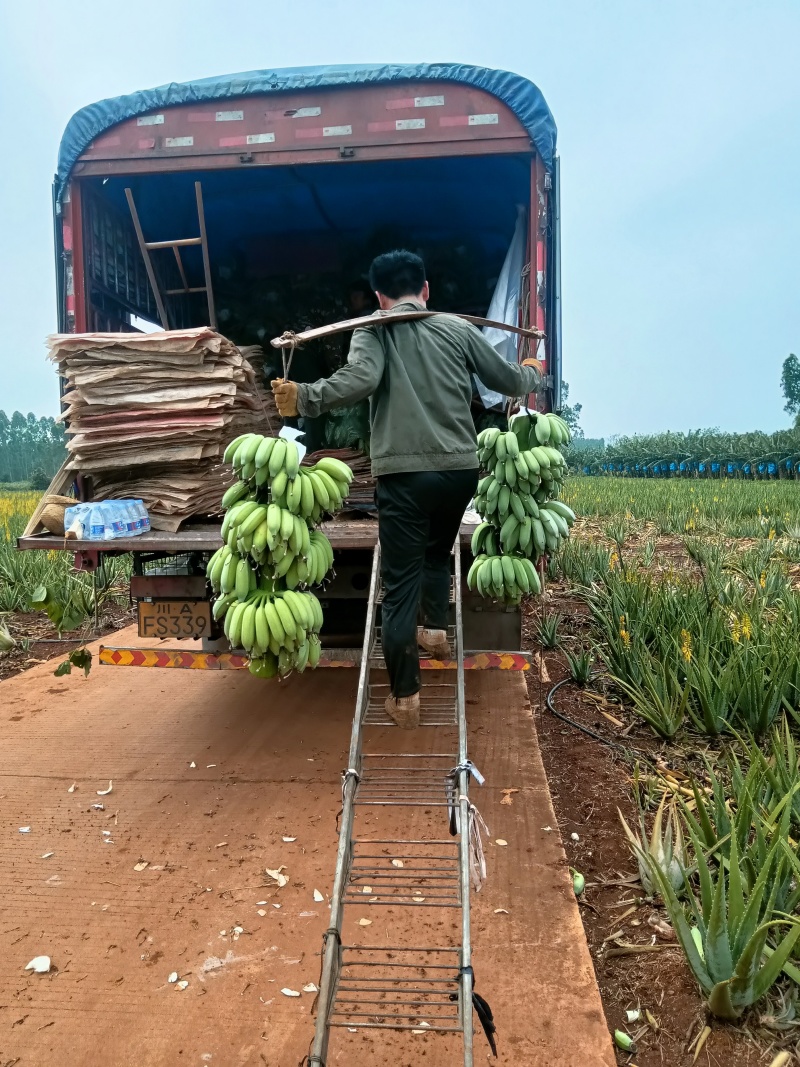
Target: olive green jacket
column 417, row 376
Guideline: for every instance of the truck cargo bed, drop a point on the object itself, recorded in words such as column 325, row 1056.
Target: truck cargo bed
column 342, row 533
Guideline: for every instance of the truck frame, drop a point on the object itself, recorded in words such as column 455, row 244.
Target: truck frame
column 315, row 157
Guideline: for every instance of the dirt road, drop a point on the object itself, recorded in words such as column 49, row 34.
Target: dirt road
column 218, row 776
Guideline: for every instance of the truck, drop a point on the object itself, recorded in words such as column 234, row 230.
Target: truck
column 236, row 201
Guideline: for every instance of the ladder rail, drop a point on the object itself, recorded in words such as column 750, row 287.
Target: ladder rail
column 464, row 836
column 332, row 946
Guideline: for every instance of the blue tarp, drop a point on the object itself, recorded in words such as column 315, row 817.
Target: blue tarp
column 521, row 96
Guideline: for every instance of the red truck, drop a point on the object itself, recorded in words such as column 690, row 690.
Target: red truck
column 235, row 201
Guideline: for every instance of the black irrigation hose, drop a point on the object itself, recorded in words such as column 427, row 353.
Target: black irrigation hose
column 577, row 725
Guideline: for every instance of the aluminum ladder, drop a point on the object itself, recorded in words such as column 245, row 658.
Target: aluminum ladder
column 423, row 989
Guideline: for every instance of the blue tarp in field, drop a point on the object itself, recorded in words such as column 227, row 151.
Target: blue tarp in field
column 521, row 96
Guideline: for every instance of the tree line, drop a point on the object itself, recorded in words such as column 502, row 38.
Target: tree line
column 31, row 449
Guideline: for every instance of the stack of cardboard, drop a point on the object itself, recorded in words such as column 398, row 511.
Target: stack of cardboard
column 149, row 415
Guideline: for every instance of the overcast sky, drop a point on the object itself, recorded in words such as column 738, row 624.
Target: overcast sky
column 679, row 134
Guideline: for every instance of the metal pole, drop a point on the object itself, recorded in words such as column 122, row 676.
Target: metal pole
column 464, row 844
column 327, row 985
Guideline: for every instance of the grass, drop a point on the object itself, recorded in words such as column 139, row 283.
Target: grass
column 24, row 574
column 701, row 506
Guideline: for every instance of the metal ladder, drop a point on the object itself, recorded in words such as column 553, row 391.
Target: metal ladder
column 422, row 989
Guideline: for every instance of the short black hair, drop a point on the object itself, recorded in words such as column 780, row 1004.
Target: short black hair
column 396, row 274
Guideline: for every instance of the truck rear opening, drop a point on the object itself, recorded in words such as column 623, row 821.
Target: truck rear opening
column 255, row 203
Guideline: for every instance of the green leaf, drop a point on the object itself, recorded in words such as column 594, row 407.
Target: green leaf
column 717, row 945
column 681, row 926
column 82, row 659
column 63, row 668
column 775, row 964
column 735, row 892
column 704, row 875
column 71, row 618
column 720, row 1002
column 39, row 597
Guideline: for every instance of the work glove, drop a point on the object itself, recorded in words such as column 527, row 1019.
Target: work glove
column 285, row 394
column 535, row 363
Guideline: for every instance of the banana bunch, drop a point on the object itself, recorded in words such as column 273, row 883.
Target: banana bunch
column 505, row 577
column 278, row 629
column 272, row 552
column 516, row 499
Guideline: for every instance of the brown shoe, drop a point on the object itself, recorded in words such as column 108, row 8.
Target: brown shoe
column 434, row 642
column 404, row 711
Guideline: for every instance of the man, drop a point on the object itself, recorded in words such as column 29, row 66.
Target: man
column 418, row 376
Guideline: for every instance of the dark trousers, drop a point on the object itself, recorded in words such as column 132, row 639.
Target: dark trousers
column 419, row 515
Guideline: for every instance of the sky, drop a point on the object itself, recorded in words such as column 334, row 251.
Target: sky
column 679, row 137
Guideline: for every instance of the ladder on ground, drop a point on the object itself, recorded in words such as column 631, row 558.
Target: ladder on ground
column 176, row 244
column 423, row 989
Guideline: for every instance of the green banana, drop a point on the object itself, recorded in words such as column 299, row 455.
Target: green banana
column 511, row 445
column 561, row 509
column 277, row 633
column 542, row 429
column 233, row 493
column 252, row 522
column 521, row 574
column 291, row 460
column 230, row 449
column 517, row 506
column 277, row 457
column 242, row 584
column 248, row 635
column 264, row 451
column 338, row 470
column 262, row 627
column 473, row 571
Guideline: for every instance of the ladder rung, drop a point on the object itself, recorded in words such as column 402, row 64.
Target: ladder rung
column 181, row 242
column 419, row 782
column 376, row 652
column 427, row 877
column 382, row 591
column 409, row 1001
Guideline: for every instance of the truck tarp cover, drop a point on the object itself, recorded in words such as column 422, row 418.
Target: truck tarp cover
column 521, row 96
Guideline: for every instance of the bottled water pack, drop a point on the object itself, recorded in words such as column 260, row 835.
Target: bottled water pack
column 106, row 520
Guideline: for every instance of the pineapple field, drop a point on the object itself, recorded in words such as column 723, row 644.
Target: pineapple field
column 668, row 678
column 45, row 606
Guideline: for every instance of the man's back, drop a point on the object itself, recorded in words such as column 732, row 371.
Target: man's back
column 418, row 376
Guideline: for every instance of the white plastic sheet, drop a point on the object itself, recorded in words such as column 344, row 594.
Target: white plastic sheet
column 505, row 304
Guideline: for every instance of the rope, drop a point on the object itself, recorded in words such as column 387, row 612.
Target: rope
column 293, row 341
column 475, row 826
column 351, row 772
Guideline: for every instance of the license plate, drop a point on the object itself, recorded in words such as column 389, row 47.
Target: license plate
column 174, row 618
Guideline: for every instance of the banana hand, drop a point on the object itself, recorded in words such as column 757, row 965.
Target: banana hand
column 285, row 397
